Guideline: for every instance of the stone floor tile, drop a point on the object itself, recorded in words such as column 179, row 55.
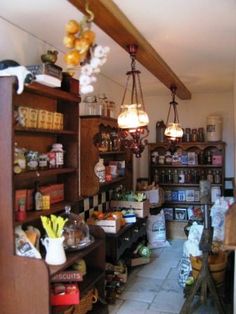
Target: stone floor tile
column 113, row 308
column 135, row 307
column 139, row 284
column 143, row 296
column 168, row 301
column 173, row 273
column 171, row 285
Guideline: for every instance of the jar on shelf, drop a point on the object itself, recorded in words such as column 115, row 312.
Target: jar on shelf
column 103, row 102
column 188, row 134
column 91, row 105
column 168, row 158
column 200, row 134
column 32, row 160
column 58, row 151
column 43, row 161
column 99, row 170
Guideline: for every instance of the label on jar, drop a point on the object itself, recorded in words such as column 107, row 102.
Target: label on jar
column 59, row 159
column 52, row 159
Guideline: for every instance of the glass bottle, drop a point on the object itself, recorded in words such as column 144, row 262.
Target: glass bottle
column 38, row 197
column 208, row 157
column 200, row 134
column 181, row 176
column 175, row 177
column 188, row 134
column 210, row 177
column 194, row 135
column 156, row 177
column 217, row 177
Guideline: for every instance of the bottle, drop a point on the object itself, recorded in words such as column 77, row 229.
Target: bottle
column 38, row 197
column 208, row 158
column 181, row 177
column 156, row 176
column 99, row 170
column 210, row 176
column 175, row 177
column 217, row 177
column 194, row 135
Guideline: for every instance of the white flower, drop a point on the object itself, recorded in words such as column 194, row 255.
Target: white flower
column 103, row 61
column 86, row 89
column 86, row 69
column 84, row 79
column 93, row 79
column 99, row 52
column 95, row 62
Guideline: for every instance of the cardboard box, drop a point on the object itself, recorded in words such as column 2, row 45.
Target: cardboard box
column 139, row 261
column 109, row 226
column 56, row 121
column 20, row 196
column 32, row 118
column 24, row 114
column 57, row 193
column 71, row 296
column 49, row 120
column 42, row 119
column 141, row 209
column 217, row 160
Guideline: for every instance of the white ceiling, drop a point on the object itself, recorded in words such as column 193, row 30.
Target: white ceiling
column 196, row 38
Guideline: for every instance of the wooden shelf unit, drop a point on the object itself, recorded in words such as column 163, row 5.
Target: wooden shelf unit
column 171, row 187
column 89, row 183
column 26, row 281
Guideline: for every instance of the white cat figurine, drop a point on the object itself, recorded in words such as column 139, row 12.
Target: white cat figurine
column 12, row 68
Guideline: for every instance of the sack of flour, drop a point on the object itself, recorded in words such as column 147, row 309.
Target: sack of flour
column 156, row 231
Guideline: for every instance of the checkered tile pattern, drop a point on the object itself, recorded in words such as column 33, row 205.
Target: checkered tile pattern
column 99, row 202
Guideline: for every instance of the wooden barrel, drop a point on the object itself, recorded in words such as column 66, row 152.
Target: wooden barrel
column 217, row 265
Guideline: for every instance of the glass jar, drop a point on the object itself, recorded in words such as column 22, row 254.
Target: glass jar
column 19, row 159
column 99, row 170
column 32, row 160
column 103, row 102
column 57, row 148
column 43, row 161
column 91, row 105
column 76, row 231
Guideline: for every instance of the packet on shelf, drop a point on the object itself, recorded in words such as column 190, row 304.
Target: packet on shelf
column 42, row 119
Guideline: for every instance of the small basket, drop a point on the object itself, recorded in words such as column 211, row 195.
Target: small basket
column 86, row 302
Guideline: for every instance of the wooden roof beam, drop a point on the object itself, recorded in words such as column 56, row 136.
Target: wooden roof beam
column 113, row 22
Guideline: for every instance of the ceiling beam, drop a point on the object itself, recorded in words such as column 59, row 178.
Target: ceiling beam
column 113, row 22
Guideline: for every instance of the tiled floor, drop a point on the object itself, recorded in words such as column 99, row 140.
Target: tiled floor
column 154, row 289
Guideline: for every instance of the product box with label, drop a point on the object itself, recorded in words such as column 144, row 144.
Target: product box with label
column 20, row 199
column 42, row 119
column 141, row 209
column 217, row 160
column 32, row 118
column 67, row 276
column 64, row 294
column 109, row 226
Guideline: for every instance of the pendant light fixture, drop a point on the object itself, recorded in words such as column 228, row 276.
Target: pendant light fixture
column 173, row 131
column 133, row 119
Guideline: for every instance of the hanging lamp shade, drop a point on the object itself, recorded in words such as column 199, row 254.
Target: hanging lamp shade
column 173, row 131
column 133, row 119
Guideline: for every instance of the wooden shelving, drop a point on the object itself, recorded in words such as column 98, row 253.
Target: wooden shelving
column 29, row 292
column 89, row 183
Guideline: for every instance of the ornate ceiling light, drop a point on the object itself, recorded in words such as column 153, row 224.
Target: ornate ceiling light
column 173, row 131
column 133, row 119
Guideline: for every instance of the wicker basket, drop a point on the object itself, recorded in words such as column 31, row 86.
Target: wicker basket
column 86, row 303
